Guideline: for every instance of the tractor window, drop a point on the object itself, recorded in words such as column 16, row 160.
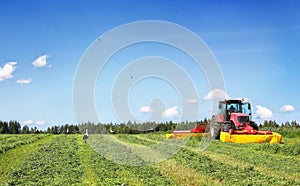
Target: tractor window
column 222, row 108
column 234, row 107
column 246, row 109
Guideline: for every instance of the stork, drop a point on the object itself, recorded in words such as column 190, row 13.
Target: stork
column 86, row 135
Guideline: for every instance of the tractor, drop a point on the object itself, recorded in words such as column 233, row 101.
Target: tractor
column 233, row 123
column 235, row 117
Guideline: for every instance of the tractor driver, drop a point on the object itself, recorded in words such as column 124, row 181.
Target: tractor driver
column 231, row 109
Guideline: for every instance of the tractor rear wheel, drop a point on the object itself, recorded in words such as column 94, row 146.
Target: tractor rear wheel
column 215, row 130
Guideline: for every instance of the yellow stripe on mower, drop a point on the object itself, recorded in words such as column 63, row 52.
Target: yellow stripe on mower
column 249, row 138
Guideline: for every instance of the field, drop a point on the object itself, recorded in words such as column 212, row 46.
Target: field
column 67, row 160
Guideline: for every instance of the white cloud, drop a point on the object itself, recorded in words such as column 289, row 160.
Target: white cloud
column 28, row 122
column 263, row 112
column 41, row 61
column 287, row 108
column 41, row 122
column 145, row 109
column 191, row 101
column 7, row 70
column 216, row 94
column 24, row 81
column 171, row 112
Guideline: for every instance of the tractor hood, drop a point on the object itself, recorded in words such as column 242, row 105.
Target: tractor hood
column 240, row 119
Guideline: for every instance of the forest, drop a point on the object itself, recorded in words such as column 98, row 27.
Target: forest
column 14, row 127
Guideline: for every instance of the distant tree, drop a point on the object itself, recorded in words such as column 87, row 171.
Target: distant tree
column 294, row 124
column 14, row 127
column 266, row 123
column 25, row 129
column 3, row 127
column 76, row 130
column 56, row 130
column 48, row 130
column 274, row 124
column 61, row 129
column 287, row 124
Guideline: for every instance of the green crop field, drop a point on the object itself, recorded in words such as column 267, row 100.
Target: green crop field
column 67, row 160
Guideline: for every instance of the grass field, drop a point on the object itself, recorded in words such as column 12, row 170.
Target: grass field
column 68, row 160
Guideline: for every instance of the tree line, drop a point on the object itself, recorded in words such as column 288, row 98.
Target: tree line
column 11, row 127
column 146, row 127
column 14, row 127
column 274, row 124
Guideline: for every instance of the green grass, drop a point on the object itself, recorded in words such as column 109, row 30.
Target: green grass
column 14, row 158
column 56, row 162
column 9, row 141
column 68, row 160
column 89, row 177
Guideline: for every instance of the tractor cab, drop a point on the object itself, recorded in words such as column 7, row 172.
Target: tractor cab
column 228, row 107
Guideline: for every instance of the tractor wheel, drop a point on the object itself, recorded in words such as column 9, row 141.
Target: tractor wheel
column 215, row 130
column 227, row 127
column 253, row 125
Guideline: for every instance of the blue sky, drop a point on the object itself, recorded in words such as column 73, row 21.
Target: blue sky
column 256, row 44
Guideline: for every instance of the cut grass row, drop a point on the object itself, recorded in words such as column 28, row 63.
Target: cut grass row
column 114, row 173
column 14, row 158
column 249, row 154
column 245, row 166
column 68, row 160
column 55, row 162
column 12, row 141
column 84, row 151
column 110, row 173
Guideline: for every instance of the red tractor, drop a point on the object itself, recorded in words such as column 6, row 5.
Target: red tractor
column 233, row 123
column 234, row 116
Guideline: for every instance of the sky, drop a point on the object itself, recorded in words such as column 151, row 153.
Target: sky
column 255, row 43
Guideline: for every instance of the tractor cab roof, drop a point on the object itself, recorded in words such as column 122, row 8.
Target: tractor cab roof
column 231, row 101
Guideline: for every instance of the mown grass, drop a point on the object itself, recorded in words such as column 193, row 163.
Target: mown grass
column 110, row 172
column 84, row 151
column 255, row 163
column 14, row 158
column 55, row 162
column 68, row 160
column 9, row 141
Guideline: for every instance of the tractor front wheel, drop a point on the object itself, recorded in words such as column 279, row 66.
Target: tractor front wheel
column 227, row 127
column 253, row 125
